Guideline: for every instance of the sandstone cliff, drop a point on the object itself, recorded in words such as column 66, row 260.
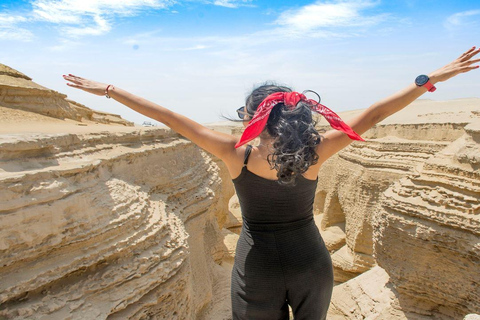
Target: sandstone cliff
column 20, row 93
column 118, row 226
column 102, row 221
column 408, row 203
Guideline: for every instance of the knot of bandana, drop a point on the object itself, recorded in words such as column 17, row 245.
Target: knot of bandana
column 290, row 99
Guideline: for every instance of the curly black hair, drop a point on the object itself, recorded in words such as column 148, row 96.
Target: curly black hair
column 294, row 133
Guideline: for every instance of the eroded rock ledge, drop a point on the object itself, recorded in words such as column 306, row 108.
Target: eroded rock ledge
column 116, row 226
column 19, row 92
column 408, row 204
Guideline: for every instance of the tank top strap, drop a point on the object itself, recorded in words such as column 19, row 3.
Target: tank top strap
column 248, row 150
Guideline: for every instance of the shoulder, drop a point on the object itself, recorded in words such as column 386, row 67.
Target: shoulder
column 235, row 161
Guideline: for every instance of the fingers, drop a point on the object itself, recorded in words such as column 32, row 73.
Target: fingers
column 466, row 63
column 73, row 79
column 76, row 81
column 89, row 86
column 469, row 62
column 76, row 77
column 73, row 85
column 473, row 53
column 469, row 54
column 466, row 69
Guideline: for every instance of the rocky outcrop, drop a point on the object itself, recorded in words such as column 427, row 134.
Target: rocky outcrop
column 103, row 221
column 349, row 190
column 435, row 214
column 19, row 92
column 107, row 225
column 368, row 296
column 409, row 204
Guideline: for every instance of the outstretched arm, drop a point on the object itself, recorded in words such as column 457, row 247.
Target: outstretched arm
column 220, row 144
column 335, row 140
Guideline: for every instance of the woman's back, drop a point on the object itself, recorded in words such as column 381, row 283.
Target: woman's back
column 264, row 200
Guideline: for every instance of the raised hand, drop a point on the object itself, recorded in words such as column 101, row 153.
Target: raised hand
column 90, row 86
column 460, row 65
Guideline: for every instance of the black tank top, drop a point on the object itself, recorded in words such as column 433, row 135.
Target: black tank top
column 266, row 201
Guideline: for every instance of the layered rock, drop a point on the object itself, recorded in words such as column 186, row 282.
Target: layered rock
column 367, row 296
column 107, row 225
column 103, row 221
column 350, row 184
column 435, row 215
column 408, row 201
column 18, row 91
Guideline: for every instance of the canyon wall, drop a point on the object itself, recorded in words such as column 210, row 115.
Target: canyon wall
column 401, row 215
column 100, row 219
column 117, row 226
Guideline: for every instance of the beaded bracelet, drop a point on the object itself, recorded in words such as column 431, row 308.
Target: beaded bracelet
column 106, row 90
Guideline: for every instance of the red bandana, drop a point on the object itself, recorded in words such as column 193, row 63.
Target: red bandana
column 257, row 123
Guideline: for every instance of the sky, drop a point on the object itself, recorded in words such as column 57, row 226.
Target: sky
column 201, row 58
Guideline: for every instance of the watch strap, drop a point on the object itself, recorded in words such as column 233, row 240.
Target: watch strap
column 430, row 87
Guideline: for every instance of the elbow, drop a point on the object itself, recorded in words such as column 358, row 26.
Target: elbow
column 379, row 117
column 375, row 120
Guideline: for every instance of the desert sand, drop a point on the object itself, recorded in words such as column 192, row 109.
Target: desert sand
column 104, row 220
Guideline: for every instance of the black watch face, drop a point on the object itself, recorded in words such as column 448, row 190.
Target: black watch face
column 421, row 80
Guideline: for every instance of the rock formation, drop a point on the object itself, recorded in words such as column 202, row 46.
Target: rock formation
column 435, row 214
column 19, row 92
column 409, row 202
column 107, row 225
column 106, row 222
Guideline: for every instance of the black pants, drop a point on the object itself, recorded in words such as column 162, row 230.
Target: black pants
column 280, row 265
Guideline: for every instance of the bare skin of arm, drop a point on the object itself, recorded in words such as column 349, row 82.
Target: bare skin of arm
column 335, row 140
column 217, row 143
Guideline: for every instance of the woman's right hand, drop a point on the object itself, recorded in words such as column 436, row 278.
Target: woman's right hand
column 90, row 86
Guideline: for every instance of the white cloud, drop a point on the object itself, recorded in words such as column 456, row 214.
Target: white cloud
column 338, row 19
column 98, row 26
column 90, row 17
column 9, row 29
column 461, row 19
column 325, row 16
column 232, row 3
column 77, row 18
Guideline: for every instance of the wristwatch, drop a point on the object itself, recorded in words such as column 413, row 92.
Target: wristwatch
column 424, row 80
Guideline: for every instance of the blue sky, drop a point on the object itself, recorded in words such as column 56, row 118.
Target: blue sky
column 201, row 58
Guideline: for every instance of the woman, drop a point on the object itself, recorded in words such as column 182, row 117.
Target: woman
column 281, row 258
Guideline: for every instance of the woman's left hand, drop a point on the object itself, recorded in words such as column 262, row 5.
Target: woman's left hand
column 90, row 86
column 460, row 65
